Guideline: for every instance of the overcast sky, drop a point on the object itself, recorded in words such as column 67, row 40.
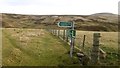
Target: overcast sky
column 41, row 7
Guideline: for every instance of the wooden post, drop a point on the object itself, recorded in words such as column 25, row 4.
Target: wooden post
column 66, row 36
column 58, row 33
column 84, row 41
column 63, row 34
column 51, row 31
column 95, row 50
column 55, row 32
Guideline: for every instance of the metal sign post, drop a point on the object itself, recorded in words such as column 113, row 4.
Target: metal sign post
column 72, row 41
column 70, row 33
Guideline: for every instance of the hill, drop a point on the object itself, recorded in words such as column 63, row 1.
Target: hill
column 94, row 22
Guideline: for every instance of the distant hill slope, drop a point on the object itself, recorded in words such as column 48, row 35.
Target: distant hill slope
column 94, row 22
column 104, row 17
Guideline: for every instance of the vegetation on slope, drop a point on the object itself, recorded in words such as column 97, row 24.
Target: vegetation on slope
column 94, row 22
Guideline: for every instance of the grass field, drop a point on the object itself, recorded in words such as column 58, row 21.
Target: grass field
column 34, row 47
column 108, row 43
column 107, row 39
column 38, row 47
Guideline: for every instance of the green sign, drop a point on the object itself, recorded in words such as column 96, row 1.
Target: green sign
column 71, row 33
column 64, row 24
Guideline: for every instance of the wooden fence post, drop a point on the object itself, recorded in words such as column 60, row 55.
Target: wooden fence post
column 64, row 34
column 61, row 33
column 84, row 41
column 58, row 33
column 52, row 31
column 95, row 50
column 55, row 32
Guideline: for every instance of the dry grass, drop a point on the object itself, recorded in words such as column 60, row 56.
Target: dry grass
column 33, row 47
column 107, row 39
column 108, row 43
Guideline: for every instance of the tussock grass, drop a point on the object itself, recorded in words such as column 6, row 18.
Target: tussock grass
column 40, row 49
column 108, row 42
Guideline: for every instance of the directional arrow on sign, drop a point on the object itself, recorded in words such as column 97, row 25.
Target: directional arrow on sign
column 71, row 33
column 64, row 24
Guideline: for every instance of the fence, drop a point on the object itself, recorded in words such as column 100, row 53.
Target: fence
column 79, row 41
column 84, row 42
column 61, row 34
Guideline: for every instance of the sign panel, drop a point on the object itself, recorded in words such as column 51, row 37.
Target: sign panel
column 64, row 24
column 71, row 33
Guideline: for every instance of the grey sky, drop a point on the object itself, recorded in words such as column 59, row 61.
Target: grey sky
column 82, row 7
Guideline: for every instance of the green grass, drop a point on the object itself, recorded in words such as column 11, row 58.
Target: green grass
column 37, row 48
column 108, row 42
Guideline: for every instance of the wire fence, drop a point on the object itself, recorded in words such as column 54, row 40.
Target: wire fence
column 84, row 42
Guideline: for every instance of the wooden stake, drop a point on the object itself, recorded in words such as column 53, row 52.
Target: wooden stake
column 64, row 34
column 95, row 50
column 84, row 41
